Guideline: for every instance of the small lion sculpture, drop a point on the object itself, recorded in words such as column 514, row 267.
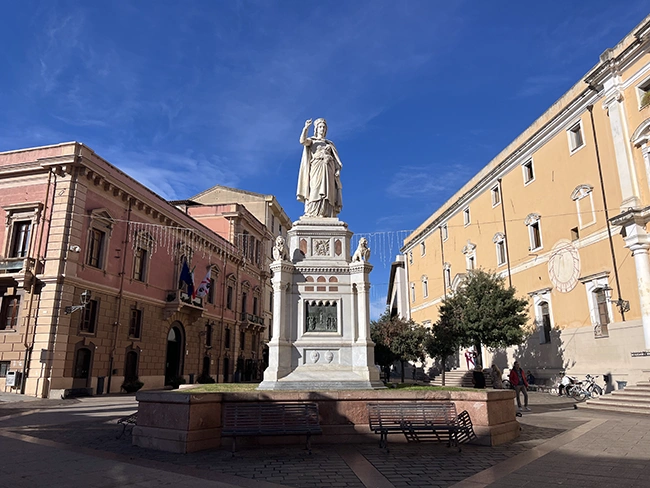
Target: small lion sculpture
column 279, row 249
column 363, row 251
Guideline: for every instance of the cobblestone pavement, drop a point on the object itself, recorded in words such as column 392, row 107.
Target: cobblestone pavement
column 87, row 431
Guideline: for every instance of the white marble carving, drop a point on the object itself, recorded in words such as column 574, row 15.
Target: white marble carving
column 321, row 247
column 329, row 356
column 363, row 251
column 279, row 249
column 315, row 356
column 319, row 183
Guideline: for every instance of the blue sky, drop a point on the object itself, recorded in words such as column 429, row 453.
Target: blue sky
column 419, row 95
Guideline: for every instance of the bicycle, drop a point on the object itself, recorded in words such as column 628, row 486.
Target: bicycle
column 584, row 389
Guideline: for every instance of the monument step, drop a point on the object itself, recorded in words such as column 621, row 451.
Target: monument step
column 631, row 394
column 621, row 402
column 616, row 408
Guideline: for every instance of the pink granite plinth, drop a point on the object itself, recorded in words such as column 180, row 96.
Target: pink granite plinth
column 186, row 422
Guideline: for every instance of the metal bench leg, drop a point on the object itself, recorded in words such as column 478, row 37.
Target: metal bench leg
column 233, row 445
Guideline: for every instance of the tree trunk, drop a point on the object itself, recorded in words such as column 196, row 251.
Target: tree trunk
column 402, row 363
column 479, row 355
column 444, row 361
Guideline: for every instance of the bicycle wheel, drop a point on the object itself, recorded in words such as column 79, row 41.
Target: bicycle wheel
column 579, row 394
column 595, row 391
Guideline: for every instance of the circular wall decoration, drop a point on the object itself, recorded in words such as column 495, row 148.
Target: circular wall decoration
column 564, row 266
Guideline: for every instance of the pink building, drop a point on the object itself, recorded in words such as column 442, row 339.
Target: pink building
column 77, row 224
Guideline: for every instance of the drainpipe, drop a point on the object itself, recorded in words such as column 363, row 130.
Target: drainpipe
column 444, row 282
column 116, row 325
column 602, row 189
column 505, row 232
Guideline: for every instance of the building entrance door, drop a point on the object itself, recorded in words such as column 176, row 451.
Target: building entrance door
column 81, row 368
column 173, row 364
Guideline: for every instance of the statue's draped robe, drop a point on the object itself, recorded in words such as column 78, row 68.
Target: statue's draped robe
column 318, row 185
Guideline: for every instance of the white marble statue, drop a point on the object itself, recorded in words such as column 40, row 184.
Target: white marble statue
column 319, row 184
column 363, row 251
column 280, row 249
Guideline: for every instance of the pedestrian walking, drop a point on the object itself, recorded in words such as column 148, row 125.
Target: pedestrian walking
column 519, row 381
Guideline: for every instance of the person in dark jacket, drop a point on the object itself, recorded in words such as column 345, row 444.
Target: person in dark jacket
column 520, row 383
column 478, row 378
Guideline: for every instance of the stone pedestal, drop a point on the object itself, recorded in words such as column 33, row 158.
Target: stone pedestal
column 321, row 313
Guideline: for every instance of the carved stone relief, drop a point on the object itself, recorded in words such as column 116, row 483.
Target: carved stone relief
column 321, row 247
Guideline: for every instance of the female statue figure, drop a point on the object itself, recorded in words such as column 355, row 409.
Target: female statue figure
column 319, row 184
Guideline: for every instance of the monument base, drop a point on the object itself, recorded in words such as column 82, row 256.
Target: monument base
column 318, row 380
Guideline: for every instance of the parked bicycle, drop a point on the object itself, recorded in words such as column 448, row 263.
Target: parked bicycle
column 587, row 388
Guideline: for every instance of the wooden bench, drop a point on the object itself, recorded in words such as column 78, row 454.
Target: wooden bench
column 419, row 421
column 270, row 419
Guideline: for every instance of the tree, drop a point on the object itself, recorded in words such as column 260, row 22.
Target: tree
column 485, row 312
column 442, row 342
column 397, row 339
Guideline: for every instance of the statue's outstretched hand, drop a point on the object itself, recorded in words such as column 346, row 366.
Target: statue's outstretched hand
column 307, row 122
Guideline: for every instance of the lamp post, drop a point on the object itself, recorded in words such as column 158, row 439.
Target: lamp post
column 622, row 305
column 85, row 300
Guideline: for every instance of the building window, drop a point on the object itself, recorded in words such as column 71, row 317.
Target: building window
column 244, row 302
column 242, row 340
column 4, row 367
column 226, row 339
column 544, row 323
column 211, row 290
column 447, row 275
column 410, row 257
column 576, row 140
column 255, row 305
column 139, row 264
column 101, row 225
column 575, row 234
column 496, row 195
column 135, row 325
column 584, row 198
column 229, row 298
column 499, row 240
column 413, row 292
column 643, row 92
column 423, row 248
column 20, row 239
column 528, row 171
column 208, row 335
column 469, row 250
column 9, row 312
column 270, row 301
column 600, row 298
column 466, row 217
column 445, row 232
column 471, row 262
column 272, row 224
column 96, row 248
column 534, row 231
column 280, row 229
column 88, row 323
column 425, row 286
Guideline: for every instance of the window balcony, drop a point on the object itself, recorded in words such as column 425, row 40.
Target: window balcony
column 251, row 321
column 178, row 300
column 16, row 265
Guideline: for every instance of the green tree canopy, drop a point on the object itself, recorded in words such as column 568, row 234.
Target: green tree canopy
column 397, row 339
column 483, row 311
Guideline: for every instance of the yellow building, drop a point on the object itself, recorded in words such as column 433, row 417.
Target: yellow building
column 561, row 214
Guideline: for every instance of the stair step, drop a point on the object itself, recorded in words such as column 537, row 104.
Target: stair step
column 639, row 389
column 612, row 408
column 631, row 394
column 610, row 401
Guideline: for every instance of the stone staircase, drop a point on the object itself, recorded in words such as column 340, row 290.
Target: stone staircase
column 460, row 378
column 632, row 399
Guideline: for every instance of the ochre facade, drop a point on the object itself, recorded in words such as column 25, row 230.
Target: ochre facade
column 538, row 215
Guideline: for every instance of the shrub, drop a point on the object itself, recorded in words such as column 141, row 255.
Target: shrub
column 176, row 381
column 133, row 385
column 204, row 378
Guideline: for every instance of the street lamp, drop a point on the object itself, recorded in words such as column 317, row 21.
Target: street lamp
column 85, row 300
column 622, row 305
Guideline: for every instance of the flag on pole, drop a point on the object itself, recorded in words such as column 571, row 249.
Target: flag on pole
column 204, row 287
column 187, row 278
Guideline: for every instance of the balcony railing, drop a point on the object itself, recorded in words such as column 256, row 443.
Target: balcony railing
column 15, row 265
column 178, row 299
column 253, row 319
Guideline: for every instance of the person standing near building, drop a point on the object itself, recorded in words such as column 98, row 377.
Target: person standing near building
column 518, row 380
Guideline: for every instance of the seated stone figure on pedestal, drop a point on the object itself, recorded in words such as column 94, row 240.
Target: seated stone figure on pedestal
column 319, row 183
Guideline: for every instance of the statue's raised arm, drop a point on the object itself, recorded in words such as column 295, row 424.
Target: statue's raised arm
column 319, row 183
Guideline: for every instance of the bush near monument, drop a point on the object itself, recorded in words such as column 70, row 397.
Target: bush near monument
column 484, row 312
column 397, row 339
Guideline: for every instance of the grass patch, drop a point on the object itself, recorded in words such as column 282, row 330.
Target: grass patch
column 243, row 387
column 221, row 388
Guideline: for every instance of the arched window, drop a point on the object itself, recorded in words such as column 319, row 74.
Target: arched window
column 425, row 286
